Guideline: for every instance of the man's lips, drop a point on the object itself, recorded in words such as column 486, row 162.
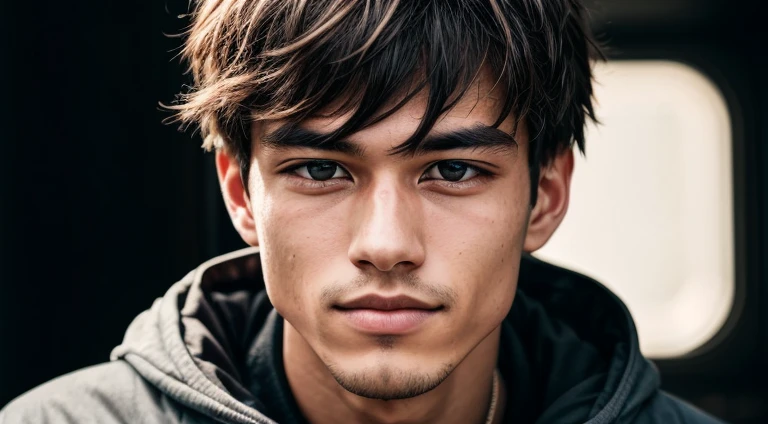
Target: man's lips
column 382, row 303
column 381, row 315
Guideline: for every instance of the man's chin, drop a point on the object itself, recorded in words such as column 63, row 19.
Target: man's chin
column 389, row 382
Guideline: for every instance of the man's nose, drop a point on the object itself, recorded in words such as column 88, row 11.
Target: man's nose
column 388, row 229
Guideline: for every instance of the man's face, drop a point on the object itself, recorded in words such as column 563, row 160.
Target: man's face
column 393, row 268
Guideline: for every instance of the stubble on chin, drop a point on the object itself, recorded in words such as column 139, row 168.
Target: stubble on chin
column 386, row 342
column 385, row 382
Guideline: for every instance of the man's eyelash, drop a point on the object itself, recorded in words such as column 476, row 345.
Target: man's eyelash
column 482, row 172
column 293, row 168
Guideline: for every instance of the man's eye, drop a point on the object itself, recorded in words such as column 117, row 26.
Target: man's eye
column 320, row 171
column 451, row 170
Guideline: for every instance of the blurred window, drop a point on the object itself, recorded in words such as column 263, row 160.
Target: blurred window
column 651, row 212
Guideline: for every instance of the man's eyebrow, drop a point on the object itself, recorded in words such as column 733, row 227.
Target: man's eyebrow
column 476, row 137
column 293, row 136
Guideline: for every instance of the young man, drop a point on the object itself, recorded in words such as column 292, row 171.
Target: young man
column 392, row 163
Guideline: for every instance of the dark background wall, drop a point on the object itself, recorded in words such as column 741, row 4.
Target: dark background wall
column 102, row 206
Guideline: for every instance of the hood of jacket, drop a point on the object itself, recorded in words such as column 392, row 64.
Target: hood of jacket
column 193, row 342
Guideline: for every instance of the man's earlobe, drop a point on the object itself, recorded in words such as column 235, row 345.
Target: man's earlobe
column 235, row 196
column 554, row 188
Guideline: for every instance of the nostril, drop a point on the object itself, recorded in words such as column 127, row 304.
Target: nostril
column 364, row 263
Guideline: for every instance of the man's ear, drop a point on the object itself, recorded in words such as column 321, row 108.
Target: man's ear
column 552, row 203
column 235, row 197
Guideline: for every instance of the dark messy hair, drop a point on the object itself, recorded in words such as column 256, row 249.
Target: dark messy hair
column 288, row 59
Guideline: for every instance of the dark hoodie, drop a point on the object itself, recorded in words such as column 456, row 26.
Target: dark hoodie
column 210, row 350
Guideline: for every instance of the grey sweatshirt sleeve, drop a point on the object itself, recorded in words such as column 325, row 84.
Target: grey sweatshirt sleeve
column 107, row 393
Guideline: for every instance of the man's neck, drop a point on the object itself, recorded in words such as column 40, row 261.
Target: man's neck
column 463, row 397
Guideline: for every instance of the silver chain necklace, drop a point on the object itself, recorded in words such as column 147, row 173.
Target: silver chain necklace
column 494, row 398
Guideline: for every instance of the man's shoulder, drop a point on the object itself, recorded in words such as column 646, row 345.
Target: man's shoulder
column 666, row 408
column 105, row 393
